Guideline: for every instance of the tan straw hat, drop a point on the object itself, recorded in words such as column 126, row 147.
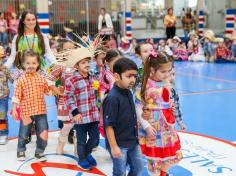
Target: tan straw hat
column 78, row 54
column 125, row 39
column 209, row 34
column 66, row 29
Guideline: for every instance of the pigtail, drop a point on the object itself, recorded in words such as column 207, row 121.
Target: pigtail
column 146, row 74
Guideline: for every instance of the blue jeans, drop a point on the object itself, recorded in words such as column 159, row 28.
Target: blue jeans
column 3, row 116
column 3, row 38
column 84, row 145
column 132, row 157
column 41, row 124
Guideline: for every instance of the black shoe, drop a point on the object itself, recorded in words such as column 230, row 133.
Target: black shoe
column 40, row 157
column 21, row 156
column 28, row 140
column 71, row 137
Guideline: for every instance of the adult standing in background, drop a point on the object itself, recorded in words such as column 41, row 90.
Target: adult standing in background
column 105, row 26
column 188, row 24
column 29, row 36
column 104, row 20
column 170, row 23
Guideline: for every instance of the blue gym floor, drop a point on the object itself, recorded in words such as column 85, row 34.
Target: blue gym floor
column 207, row 98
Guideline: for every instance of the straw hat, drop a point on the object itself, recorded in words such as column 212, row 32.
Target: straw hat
column 77, row 55
column 229, row 36
column 177, row 38
column 233, row 38
column 85, row 49
column 209, row 34
column 193, row 34
column 66, row 29
column 125, row 39
column 218, row 40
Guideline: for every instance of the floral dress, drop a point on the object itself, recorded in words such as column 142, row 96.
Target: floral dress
column 165, row 146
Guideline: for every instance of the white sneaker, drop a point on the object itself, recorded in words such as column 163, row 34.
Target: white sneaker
column 3, row 140
column 40, row 157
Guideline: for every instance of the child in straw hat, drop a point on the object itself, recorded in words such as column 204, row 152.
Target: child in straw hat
column 81, row 101
column 209, row 45
column 222, row 53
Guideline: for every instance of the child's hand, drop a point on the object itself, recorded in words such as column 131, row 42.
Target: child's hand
column 151, row 132
column 78, row 118
column 146, row 113
column 26, row 121
column 116, row 152
column 58, row 90
column 183, row 127
column 14, row 114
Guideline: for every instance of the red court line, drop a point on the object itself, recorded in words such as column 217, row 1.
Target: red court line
column 210, row 137
column 205, row 77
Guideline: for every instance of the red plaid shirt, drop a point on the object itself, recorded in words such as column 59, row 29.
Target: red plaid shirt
column 80, row 97
column 222, row 52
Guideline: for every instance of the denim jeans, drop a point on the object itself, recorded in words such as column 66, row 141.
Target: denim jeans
column 132, row 157
column 41, row 125
column 84, row 145
column 3, row 38
column 3, row 116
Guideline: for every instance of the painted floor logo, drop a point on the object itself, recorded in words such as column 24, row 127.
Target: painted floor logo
column 38, row 168
column 202, row 156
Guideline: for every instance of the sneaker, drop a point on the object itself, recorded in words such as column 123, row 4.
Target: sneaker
column 91, row 160
column 21, row 156
column 40, row 157
column 3, row 140
column 84, row 165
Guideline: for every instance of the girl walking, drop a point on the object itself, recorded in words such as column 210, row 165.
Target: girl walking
column 163, row 149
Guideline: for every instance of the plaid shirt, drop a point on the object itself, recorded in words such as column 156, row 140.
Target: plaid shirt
column 4, row 77
column 80, row 98
column 177, row 111
column 221, row 52
column 29, row 93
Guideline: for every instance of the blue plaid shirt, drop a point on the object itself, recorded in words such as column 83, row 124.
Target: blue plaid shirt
column 177, row 112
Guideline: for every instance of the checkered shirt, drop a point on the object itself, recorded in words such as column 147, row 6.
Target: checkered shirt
column 80, row 95
column 177, row 111
column 4, row 77
column 29, row 93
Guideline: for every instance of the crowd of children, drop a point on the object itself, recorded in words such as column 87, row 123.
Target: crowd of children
column 205, row 48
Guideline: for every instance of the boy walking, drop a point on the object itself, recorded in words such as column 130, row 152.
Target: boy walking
column 120, row 121
column 81, row 101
